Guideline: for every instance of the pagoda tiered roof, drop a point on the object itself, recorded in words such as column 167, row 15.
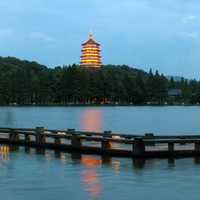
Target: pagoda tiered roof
column 91, row 41
column 90, row 53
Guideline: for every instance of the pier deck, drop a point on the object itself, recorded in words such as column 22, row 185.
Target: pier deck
column 106, row 143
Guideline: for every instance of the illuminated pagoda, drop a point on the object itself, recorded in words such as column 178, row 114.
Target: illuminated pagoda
column 90, row 54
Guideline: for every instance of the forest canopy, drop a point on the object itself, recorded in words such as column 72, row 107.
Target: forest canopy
column 26, row 83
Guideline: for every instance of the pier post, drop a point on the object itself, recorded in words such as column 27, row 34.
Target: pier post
column 106, row 144
column 75, row 139
column 40, row 137
column 197, row 146
column 107, row 133
column 13, row 137
column 170, row 147
column 138, row 147
column 27, row 138
column 150, row 136
column 57, row 140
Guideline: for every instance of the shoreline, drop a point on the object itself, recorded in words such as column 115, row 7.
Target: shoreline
column 100, row 105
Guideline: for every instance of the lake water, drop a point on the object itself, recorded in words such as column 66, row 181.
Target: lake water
column 29, row 174
column 159, row 120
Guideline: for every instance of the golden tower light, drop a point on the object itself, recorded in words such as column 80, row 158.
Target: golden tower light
column 90, row 53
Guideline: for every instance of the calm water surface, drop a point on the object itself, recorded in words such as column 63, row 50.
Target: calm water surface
column 160, row 120
column 32, row 174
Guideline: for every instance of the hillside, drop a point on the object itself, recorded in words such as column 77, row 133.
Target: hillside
column 24, row 83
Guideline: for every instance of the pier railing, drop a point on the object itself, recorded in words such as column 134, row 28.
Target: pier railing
column 105, row 143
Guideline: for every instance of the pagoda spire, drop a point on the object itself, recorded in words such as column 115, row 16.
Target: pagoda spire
column 90, row 35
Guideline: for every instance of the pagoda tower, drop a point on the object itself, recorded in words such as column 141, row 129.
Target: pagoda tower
column 90, row 54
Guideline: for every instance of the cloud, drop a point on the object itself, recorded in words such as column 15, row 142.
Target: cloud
column 190, row 19
column 4, row 32
column 189, row 35
column 41, row 36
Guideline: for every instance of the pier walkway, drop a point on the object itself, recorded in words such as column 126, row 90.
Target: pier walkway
column 106, row 143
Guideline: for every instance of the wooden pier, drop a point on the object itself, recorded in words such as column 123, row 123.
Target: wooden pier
column 106, row 143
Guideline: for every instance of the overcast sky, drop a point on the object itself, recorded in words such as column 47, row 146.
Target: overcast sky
column 158, row 34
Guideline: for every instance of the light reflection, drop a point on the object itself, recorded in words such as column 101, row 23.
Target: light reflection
column 90, row 161
column 63, row 158
column 116, row 166
column 112, row 162
column 48, row 156
column 4, row 152
column 91, row 120
column 90, row 177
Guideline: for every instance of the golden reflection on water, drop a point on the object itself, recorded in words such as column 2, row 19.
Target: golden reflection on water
column 89, row 176
column 89, row 166
column 91, row 120
column 89, row 173
column 4, row 152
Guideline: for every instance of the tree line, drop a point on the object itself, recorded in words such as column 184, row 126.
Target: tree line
column 27, row 83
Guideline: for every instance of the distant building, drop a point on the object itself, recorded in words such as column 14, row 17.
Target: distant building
column 90, row 54
column 175, row 92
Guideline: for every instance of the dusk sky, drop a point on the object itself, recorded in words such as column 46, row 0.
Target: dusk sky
column 157, row 34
